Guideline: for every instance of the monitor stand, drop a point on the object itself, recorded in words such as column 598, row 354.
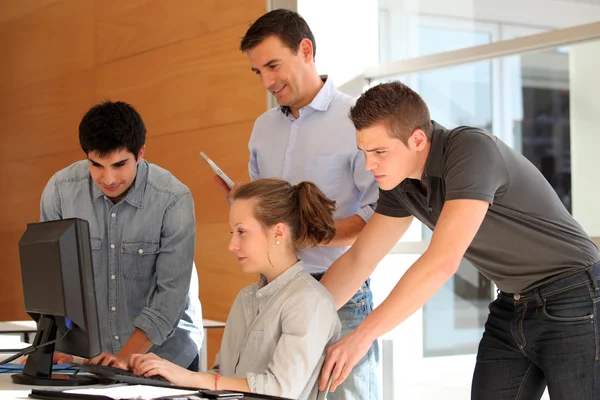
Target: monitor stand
column 38, row 369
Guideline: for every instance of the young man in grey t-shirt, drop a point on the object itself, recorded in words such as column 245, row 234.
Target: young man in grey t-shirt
column 487, row 203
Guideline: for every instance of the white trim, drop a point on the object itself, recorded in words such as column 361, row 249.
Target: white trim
column 502, row 48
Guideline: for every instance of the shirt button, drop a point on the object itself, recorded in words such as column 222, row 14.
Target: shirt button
column 430, row 209
column 517, row 296
column 113, row 308
column 116, row 337
column 112, row 245
column 140, row 251
column 113, row 277
column 259, row 295
column 113, row 215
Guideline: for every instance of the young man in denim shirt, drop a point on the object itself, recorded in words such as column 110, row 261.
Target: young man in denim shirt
column 309, row 137
column 142, row 231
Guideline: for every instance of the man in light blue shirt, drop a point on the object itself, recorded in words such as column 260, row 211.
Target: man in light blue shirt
column 310, row 137
column 142, row 231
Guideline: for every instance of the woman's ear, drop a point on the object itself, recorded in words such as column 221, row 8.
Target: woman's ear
column 281, row 233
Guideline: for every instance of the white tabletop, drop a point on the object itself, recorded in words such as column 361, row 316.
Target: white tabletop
column 18, row 326
column 9, row 390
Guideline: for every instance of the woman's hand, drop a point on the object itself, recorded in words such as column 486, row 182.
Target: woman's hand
column 151, row 365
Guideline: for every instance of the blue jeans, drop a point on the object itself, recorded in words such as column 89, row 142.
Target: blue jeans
column 548, row 336
column 362, row 383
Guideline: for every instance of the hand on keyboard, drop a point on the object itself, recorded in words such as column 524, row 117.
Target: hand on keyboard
column 152, row 365
column 108, row 359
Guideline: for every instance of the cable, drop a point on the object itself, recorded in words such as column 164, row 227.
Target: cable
column 32, row 349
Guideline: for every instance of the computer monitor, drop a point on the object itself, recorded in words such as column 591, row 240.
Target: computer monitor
column 59, row 294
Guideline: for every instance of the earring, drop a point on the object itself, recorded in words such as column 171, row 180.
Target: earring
column 277, row 242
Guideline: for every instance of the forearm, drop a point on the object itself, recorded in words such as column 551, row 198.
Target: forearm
column 345, row 276
column 347, row 230
column 209, row 380
column 138, row 343
column 422, row 280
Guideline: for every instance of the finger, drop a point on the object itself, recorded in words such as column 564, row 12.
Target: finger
column 134, row 360
column 337, row 371
column 326, row 371
column 96, row 359
column 107, row 360
column 345, row 372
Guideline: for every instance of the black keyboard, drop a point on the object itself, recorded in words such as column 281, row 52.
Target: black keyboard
column 123, row 375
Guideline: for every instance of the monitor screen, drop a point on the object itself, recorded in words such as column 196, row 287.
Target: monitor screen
column 58, row 291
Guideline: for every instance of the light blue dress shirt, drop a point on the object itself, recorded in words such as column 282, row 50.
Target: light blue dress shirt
column 319, row 146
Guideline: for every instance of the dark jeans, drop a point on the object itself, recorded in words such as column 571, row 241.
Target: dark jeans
column 548, row 336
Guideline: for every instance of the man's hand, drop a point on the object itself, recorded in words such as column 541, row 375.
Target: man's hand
column 341, row 358
column 227, row 193
column 110, row 360
column 151, row 365
column 57, row 358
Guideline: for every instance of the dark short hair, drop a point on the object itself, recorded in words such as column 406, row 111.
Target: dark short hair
column 111, row 126
column 287, row 25
column 399, row 108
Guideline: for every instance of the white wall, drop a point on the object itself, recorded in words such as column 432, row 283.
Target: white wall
column 584, row 65
column 346, row 32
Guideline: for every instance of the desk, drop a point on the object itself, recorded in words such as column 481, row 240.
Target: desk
column 10, row 391
column 27, row 328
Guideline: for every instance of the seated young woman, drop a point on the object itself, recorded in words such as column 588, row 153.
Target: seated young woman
column 279, row 327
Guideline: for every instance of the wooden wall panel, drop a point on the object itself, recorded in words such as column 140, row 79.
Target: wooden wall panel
column 192, row 84
column 130, row 27
column 12, row 9
column 47, row 43
column 178, row 63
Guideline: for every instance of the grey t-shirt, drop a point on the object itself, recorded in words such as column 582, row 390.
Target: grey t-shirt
column 527, row 237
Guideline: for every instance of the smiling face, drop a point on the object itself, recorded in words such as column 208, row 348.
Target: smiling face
column 115, row 172
column 283, row 72
column 389, row 159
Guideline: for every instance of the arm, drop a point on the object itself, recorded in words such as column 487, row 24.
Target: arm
column 173, row 273
column 352, row 269
column 347, row 229
column 454, row 232
column 50, row 209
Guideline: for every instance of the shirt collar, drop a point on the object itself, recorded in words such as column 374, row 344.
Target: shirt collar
column 322, row 99
column 269, row 289
column 435, row 158
column 135, row 195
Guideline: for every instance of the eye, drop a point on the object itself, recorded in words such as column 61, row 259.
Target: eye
column 257, row 72
column 380, row 152
column 273, row 66
column 240, row 232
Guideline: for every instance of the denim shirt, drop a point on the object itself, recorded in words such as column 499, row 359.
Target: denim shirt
column 318, row 146
column 276, row 335
column 142, row 250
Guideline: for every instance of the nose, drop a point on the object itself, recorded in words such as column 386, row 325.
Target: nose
column 370, row 164
column 267, row 80
column 233, row 244
column 108, row 177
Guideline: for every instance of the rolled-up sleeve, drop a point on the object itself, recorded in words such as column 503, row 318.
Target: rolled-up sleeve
column 306, row 330
column 367, row 187
column 173, row 272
